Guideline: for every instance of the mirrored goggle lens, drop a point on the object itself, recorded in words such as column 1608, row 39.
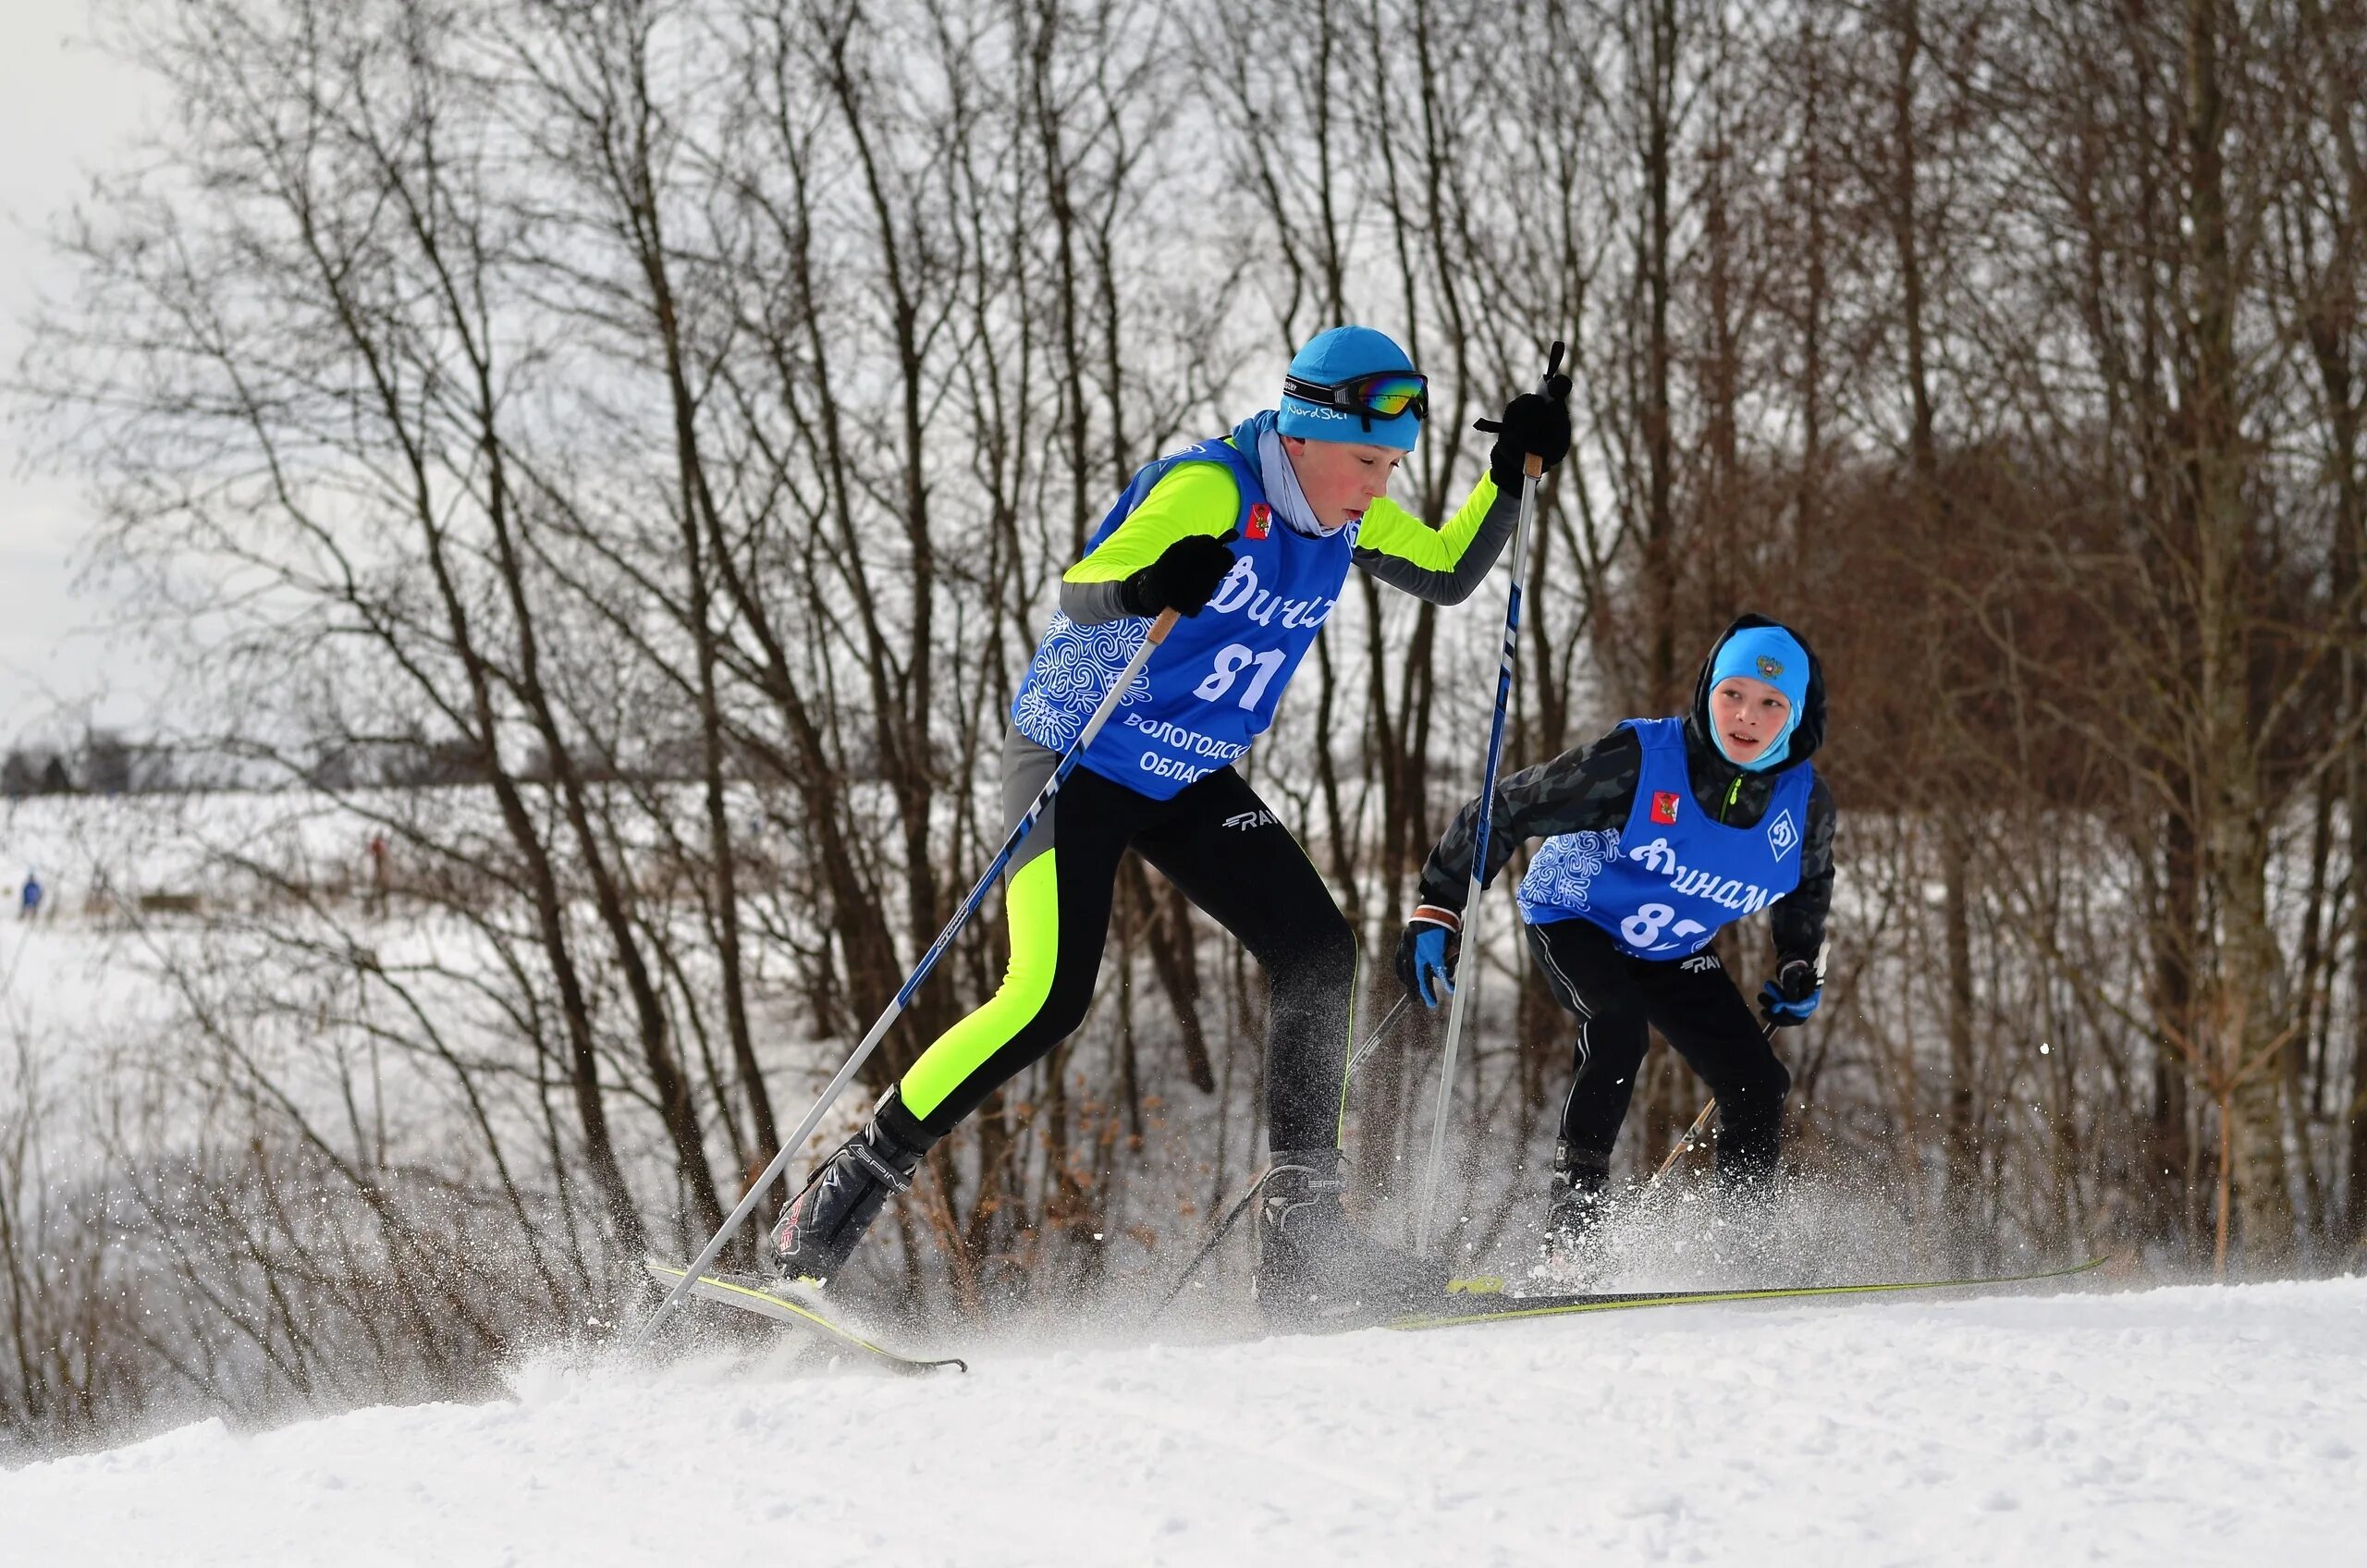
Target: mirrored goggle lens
column 1389, row 396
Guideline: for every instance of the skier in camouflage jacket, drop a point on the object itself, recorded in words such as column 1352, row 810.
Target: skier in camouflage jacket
column 1656, row 836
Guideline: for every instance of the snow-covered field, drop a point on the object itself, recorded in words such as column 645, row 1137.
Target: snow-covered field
column 2190, row 1425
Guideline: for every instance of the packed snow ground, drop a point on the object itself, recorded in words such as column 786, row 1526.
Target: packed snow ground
column 2190, row 1425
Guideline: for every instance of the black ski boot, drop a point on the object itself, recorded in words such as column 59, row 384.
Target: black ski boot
column 820, row 1226
column 1315, row 1264
column 1579, row 1200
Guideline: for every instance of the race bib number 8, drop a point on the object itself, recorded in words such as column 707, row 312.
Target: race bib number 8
column 1643, row 928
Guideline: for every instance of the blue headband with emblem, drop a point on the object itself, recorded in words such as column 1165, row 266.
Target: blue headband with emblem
column 1774, row 656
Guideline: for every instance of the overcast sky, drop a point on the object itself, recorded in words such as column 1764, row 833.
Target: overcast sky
column 65, row 111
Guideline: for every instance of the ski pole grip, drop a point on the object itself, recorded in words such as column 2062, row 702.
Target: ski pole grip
column 1557, row 387
column 1161, row 627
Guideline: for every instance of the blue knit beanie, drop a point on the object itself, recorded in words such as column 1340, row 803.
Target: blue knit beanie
column 1774, row 656
column 1331, row 358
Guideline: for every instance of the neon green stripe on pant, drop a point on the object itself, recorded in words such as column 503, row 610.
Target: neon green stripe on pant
column 1033, row 902
column 1348, row 1046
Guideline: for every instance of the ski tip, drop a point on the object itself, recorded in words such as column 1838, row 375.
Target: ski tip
column 768, row 1298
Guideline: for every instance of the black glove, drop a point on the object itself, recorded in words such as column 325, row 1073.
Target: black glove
column 1787, row 1001
column 1532, row 422
column 1181, row 580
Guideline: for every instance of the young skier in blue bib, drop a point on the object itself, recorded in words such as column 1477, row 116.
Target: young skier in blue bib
column 1249, row 537
column 1657, row 835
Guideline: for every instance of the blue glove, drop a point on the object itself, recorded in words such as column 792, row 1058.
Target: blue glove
column 1426, row 953
column 1787, row 1001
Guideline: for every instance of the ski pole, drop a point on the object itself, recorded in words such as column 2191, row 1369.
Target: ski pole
column 789, row 1145
column 1676, row 1150
column 1378, row 1035
column 1216, row 1237
column 1767, row 1032
column 1232, row 1217
column 1532, row 477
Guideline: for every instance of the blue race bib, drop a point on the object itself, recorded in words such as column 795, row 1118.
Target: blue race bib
column 1664, row 884
column 1213, row 686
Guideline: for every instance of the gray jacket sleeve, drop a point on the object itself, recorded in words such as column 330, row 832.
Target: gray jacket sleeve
column 1090, row 604
column 1447, row 587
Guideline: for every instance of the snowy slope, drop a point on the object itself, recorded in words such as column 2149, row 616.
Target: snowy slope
column 2171, row 1425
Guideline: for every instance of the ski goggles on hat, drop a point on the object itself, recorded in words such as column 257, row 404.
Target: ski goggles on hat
column 1385, row 395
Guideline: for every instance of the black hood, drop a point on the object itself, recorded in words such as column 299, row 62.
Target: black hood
column 1806, row 738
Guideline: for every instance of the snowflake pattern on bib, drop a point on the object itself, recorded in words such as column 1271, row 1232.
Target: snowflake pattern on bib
column 1071, row 670
column 1565, row 867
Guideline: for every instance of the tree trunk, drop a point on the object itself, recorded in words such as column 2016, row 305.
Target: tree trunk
column 2246, row 1013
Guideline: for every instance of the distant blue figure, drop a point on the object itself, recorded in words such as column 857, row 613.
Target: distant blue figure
column 29, row 901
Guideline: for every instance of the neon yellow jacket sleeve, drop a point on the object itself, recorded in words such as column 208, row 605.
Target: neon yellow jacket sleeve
column 1194, row 498
column 1442, row 565
column 1390, row 529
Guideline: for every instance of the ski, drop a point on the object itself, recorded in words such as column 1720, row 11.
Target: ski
column 747, row 1293
column 1480, row 1306
column 1475, row 1300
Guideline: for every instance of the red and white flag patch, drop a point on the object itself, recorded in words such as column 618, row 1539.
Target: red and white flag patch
column 1664, row 805
column 1260, row 521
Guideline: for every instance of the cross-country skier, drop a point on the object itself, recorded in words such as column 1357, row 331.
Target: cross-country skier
column 1249, row 537
column 1662, row 832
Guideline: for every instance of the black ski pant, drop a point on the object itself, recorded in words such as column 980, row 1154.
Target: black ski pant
column 1617, row 999
column 1217, row 842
